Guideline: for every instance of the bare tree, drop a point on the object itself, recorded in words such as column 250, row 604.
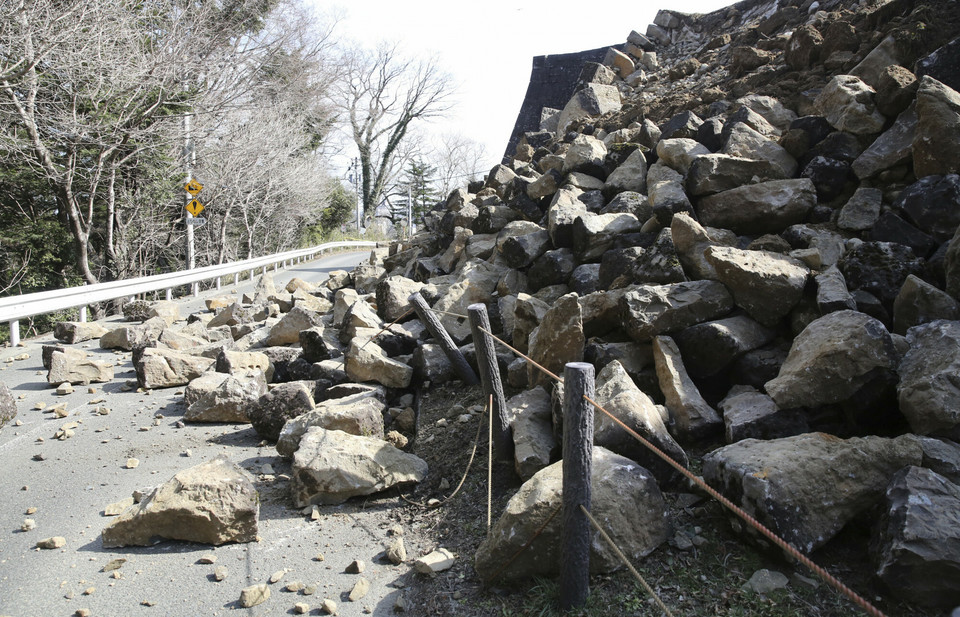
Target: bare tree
column 458, row 161
column 382, row 94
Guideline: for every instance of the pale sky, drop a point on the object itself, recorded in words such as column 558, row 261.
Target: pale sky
column 489, row 47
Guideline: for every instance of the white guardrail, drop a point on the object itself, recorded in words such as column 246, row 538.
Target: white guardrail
column 15, row 308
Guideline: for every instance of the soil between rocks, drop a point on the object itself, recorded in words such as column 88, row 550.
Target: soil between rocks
column 702, row 570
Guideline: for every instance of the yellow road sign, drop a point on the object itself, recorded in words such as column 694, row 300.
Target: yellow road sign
column 193, row 187
column 194, row 207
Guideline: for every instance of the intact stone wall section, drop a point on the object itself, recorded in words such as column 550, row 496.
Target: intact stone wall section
column 552, row 82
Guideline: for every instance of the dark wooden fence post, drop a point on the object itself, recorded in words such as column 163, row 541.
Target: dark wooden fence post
column 443, row 339
column 490, row 378
column 577, row 463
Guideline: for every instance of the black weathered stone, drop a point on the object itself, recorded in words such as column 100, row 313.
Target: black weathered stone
column 552, row 268
column 828, row 175
column 879, row 268
column 284, row 402
column 710, row 133
column 684, row 124
column 891, row 228
column 933, row 205
column 757, row 367
column 280, row 358
column 943, row 65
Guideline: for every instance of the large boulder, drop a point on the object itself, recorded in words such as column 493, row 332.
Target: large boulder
column 849, row 105
column 917, row 548
column 832, row 359
column 533, row 440
column 620, row 396
column 212, row 503
column 710, row 347
column 765, row 207
column 764, row 284
column 748, row 413
column 78, row 331
column 367, row 361
column 128, row 337
column 73, row 366
column 938, row 129
column 805, row 488
column 932, row 204
column 8, row 408
column 283, row 402
column 330, row 467
column 715, row 173
column 590, row 101
column 630, row 175
column 894, row 147
column 745, row 142
column 879, row 268
column 245, row 363
column 929, row 388
column 693, row 418
column 229, row 400
column 919, row 302
column 519, row 243
column 166, row 368
column 393, row 295
column 559, row 339
column 356, row 414
column 287, row 330
column 649, row 310
column 625, row 497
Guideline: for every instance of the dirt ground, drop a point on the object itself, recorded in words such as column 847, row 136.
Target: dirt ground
column 707, row 578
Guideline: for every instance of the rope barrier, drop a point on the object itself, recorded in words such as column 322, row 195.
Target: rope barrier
column 626, row 562
column 770, row 535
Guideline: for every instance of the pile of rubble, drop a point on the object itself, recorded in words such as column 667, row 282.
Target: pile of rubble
column 746, row 221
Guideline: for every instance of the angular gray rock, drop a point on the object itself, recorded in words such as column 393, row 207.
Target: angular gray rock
column 766, row 207
column 8, row 407
column 929, row 388
column 693, row 419
column 649, row 310
column 166, row 368
column 833, row 358
column 744, row 142
column 849, row 105
column 709, row 347
column 533, row 440
column 862, row 210
column 618, row 394
column 832, row 292
column 715, row 173
column 287, row 330
column 330, row 467
column 592, row 100
column 624, row 496
column 749, row 413
column 893, row 147
column 938, row 129
column 691, row 241
column 367, row 361
column 78, row 331
column 805, row 488
column 558, row 339
column 283, row 402
column 73, row 366
column 357, row 414
column 917, row 549
column 127, row 337
column 519, row 243
column 594, row 234
column 679, row 153
column 392, row 297
column 229, row 401
column 764, row 284
column 919, row 302
column 630, row 175
column 212, row 503
column 245, row 363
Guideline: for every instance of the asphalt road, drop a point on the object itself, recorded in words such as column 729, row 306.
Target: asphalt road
column 70, row 482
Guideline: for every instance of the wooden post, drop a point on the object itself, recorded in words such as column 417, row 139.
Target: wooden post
column 577, row 460
column 490, row 378
column 443, row 339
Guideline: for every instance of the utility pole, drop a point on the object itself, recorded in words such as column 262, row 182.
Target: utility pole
column 189, row 157
column 355, row 179
column 409, row 213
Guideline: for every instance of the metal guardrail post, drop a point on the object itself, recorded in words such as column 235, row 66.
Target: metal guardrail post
column 14, row 332
column 577, row 466
column 83, row 314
